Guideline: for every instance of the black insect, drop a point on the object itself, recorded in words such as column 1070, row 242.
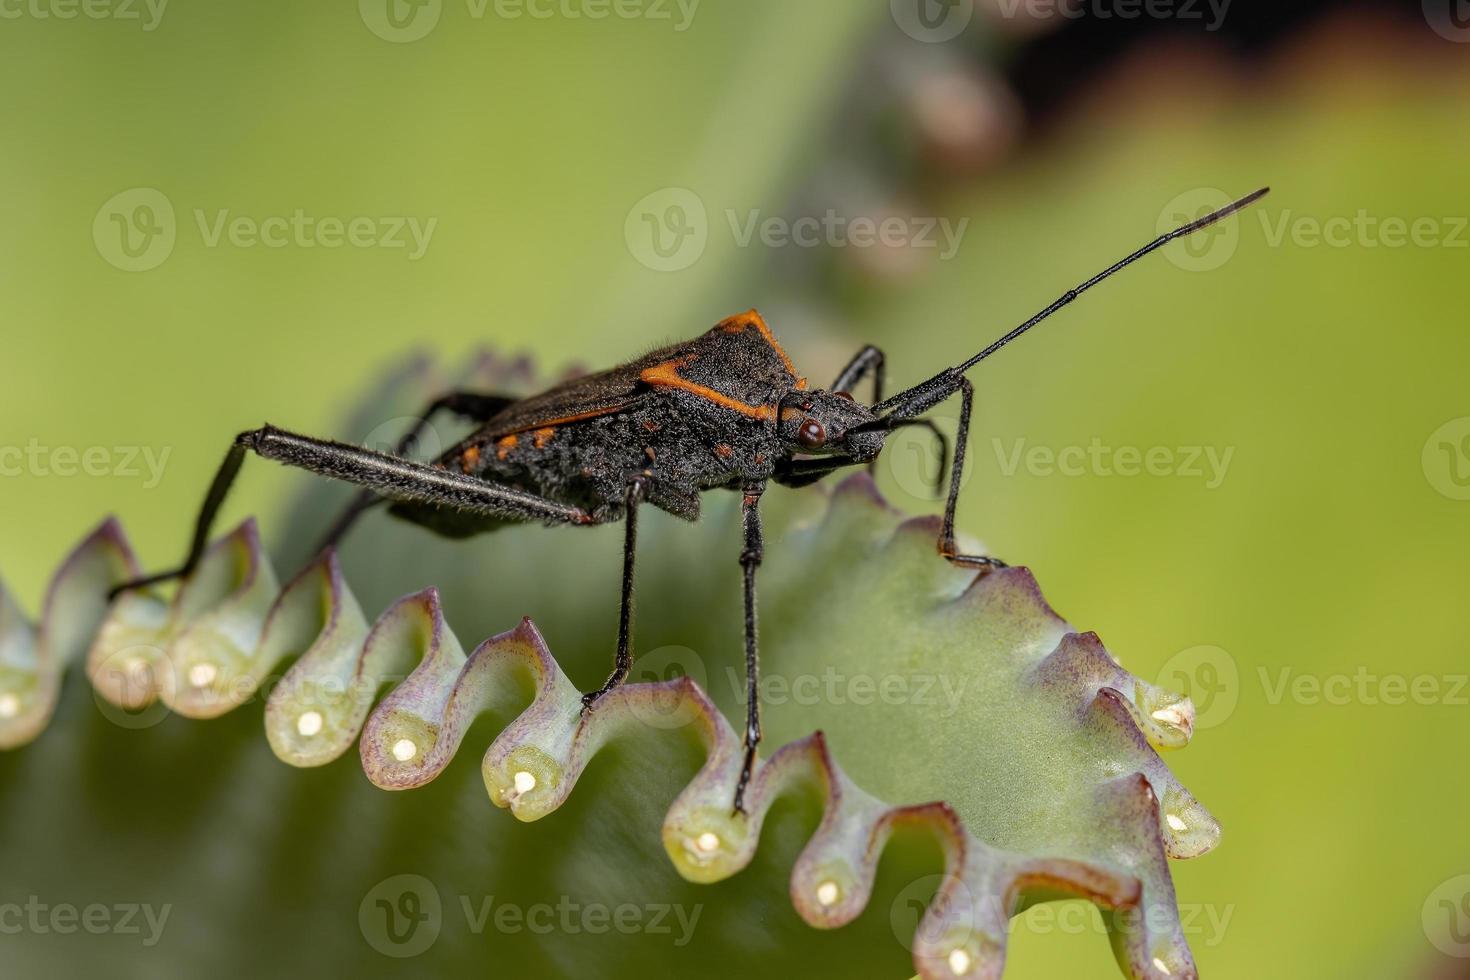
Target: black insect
column 726, row 410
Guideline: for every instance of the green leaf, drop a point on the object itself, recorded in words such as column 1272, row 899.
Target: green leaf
column 902, row 696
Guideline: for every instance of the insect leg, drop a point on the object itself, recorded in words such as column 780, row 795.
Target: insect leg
column 470, row 405
column 946, row 534
column 219, row 488
column 869, row 359
column 750, row 560
column 636, row 493
column 388, row 476
column 805, row 472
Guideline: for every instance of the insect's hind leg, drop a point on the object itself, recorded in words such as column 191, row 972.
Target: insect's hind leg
column 471, row 405
column 386, row 475
column 750, row 560
column 219, row 488
column 636, row 493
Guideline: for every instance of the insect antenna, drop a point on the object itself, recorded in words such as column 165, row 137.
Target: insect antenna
column 925, row 395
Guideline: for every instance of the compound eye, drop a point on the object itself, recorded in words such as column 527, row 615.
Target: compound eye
column 811, row 435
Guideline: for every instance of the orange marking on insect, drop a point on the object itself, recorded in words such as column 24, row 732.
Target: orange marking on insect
column 504, row 446
column 543, row 435
column 649, row 425
column 789, row 413
column 666, row 375
column 723, row 451
column 752, row 318
column 568, row 419
column 469, row 458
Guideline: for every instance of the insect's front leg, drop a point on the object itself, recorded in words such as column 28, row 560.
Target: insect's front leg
column 903, row 410
column 750, row 560
column 869, row 360
column 637, row 492
column 947, row 546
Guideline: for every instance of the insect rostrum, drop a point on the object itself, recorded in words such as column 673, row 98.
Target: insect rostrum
column 725, row 410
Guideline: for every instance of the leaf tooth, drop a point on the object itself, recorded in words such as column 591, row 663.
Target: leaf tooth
column 833, row 876
column 860, row 489
column 406, row 741
column 928, row 579
column 212, row 649
column 1148, row 938
column 317, row 710
column 1192, row 831
column 1080, row 667
column 34, row 657
column 703, row 835
column 26, row 701
column 1014, row 592
column 533, row 764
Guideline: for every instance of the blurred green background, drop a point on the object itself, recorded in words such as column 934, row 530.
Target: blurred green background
column 1326, row 551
